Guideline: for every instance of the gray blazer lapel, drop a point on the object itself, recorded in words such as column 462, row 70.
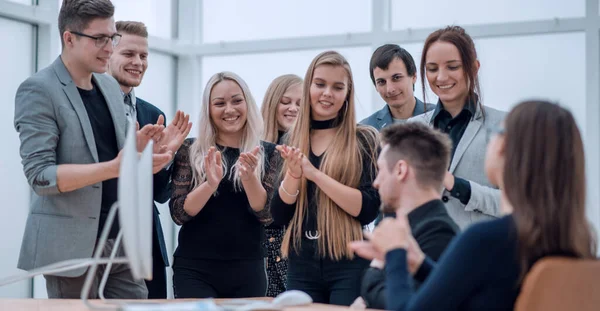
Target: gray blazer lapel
column 384, row 117
column 470, row 132
column 114, row 101
column 70, row 90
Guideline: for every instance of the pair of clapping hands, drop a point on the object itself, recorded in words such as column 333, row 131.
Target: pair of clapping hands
column 213, row 166
column 390, row 234
column 297, row 163
column 167, row 140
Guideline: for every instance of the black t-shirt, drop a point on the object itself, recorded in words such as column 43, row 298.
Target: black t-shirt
column 106, row 145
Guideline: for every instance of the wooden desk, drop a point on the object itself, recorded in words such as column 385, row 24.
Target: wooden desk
column 77, row 305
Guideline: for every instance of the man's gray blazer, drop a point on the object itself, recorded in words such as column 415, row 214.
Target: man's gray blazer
column 383, row 117
column 468, row 163
column 54, row 129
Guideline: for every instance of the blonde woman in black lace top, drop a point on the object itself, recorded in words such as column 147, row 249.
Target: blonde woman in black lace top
column 221, row 180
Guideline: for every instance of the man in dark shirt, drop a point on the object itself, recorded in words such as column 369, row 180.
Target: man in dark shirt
column 128, row 65
column 412, row 165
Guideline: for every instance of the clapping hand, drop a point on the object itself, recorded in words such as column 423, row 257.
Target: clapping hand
column 248, row 162
column 390, row 234
column 213, row 168
column 148, row 132
column 175, row 133
column 309, row 170
column 293, row 157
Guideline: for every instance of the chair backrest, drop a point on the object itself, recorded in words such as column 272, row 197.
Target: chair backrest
column 558, row 283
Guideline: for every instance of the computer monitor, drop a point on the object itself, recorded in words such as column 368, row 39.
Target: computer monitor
column 135, row 205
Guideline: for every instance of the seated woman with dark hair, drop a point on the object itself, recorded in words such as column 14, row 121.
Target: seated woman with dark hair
column 543, row 191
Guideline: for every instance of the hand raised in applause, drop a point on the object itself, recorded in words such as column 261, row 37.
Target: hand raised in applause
column 293, row 159
column 175, row 133
column 159, row 160
column 392, row 234
column 213, row 168
column 309, row 170
column 148, row 132
column 248, row 163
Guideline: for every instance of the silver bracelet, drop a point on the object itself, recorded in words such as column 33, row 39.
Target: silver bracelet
column 291, row 195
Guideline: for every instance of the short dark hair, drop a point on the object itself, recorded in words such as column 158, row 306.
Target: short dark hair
column 385, row 54
column 76, row 15
column 132, row 28
column 425, row 149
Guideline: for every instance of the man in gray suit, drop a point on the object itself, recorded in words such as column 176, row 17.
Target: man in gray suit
column 71, row 123
column 394, row 74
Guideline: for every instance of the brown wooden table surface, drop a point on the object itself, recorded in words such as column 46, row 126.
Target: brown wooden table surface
column 77, row 305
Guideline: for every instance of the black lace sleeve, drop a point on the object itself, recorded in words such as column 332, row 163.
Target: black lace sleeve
column 271, row 159
column 181, row 183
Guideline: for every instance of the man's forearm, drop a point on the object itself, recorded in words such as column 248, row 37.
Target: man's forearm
column 70, row 177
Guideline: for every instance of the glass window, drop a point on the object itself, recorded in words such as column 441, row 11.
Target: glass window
column 545, row 66
column 258, row 70
column 517, row 68
column 156, row 14
column 429, row 13
column 158, row 86
column 28, row 2
column 16, row 58
column 234, row 20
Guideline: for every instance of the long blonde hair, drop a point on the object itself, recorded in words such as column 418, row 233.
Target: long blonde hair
column 341, row 161
column 271, row 101
column 207, row 133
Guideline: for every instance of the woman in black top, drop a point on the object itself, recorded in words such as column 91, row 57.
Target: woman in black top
column 326, row 194
column 279, row 111
column 221, row 180
column 449, row 64
column 543, row 187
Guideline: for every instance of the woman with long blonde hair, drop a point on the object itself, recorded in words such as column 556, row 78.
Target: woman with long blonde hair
column 281, row 106
column 279, row 111
column 221, row 180
column 326, row 195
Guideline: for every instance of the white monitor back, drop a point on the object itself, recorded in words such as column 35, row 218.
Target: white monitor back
column 135, row 205
column 145, row 211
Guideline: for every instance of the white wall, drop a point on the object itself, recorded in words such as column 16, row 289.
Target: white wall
column 16, row 61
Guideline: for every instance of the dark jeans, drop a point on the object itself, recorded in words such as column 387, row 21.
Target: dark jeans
column 325, row 280
column 205, row 278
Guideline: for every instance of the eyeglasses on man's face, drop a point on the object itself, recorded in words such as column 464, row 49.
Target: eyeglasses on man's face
column 101, row 41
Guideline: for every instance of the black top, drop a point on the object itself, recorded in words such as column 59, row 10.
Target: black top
column 280, row 139
column 226, row 228
column 433, row 229
column 283, row 213
column 106, row 146
column 455, row 128
column 478, row 271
